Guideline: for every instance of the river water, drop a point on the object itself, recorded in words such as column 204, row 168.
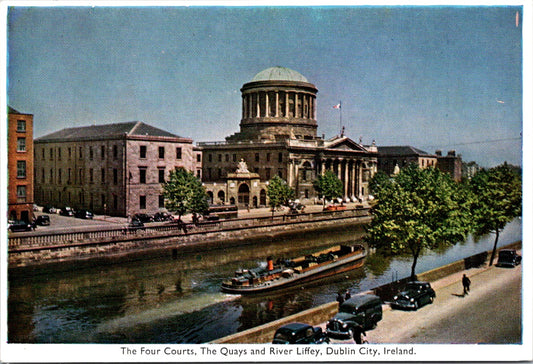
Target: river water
column 177, row 299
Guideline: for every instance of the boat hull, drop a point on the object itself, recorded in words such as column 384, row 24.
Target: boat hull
column 345, row 264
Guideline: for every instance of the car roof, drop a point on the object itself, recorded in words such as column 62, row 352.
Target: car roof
column 361, row 299
column 295, row 326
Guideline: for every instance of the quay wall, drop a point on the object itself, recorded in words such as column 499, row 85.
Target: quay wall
column 318, row 315
column 142, row 244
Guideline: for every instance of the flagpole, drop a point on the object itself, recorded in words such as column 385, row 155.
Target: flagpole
column 340, row 116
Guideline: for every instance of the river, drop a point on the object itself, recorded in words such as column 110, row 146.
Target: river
column 177, row 299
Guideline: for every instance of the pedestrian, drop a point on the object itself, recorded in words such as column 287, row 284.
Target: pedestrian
column 347, row 296
column 340, row 298
column 466, row 284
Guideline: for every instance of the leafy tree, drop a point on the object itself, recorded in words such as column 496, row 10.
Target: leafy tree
column 497, row 200
column 279, row 193
column 184, row 193
column 420, row 209
column 377, row 182
column 328, row 186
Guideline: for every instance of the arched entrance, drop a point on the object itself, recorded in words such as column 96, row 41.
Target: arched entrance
column 263, row 198
column 221, row 197
column 244, row 195
column 210, row 197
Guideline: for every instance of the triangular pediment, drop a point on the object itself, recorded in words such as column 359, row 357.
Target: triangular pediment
column 344, row 144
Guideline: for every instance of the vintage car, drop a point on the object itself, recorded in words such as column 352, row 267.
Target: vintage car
column 67, row 211
column 83, row 214
column 20, row 225
column 508, row 258
column 298, row 333
column 356, row 315
column 414, row 295
column 42, row 220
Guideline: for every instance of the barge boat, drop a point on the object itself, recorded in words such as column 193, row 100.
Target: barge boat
column 289, row 272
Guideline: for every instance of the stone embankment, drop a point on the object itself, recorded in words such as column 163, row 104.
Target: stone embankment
column 439, row 277
column 92, row 247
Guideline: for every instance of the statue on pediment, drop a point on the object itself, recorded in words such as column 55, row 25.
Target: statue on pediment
column 242, row 167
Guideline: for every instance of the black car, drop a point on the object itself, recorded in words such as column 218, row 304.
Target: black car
column 42, row 220
column 298, row 333
column 83, row 214
column 143, row 218
column 20, row 225
column 67, row 211
column 356, row 315
column 135, row 225
column 414, row 295
column 162, row 216
column 508, row 258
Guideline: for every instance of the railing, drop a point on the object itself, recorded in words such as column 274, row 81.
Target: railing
column 32, row 241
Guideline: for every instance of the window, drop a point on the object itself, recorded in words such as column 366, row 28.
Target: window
column 178, row 153
column 199, row 173
column 115, row 152
column 143, row 151
column 161, row 175
column 102, row 151
column 267, row 173
column 268, row 157
column 257, row 157
column 198, row 157
column 115, row 176
column 59, row 176
column 161, row 152
column 210, row 157
column 69, row 153
column 58, row 154
column 235, row 157
column 21, row 126
column 69, row 181
column 220, row 157
column 43, row 156
column 51, row 176
column 21, row 169
column 90, row 153
column 21, row 193
column 142, row 174
column 80, row 176
column 161, row 201
column 142, row 202
column 21, row 144
column 227, row 157
column 42, row 176
column 91, row 175
column 51, row 153
column 280, row 173
column 80, row 153
column 102, row 174
column 280, row 157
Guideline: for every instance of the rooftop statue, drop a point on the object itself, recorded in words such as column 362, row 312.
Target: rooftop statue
column 243, row 168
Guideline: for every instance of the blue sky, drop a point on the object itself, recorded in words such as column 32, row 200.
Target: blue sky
column 434, row 77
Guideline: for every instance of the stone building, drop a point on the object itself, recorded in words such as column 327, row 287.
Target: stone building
column 115, row 169
column 20, row 165
column 278, row 136
column 392, row 158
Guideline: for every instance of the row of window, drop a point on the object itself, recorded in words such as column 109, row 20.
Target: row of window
column 70, row 177
column 91, row 151
column 257, row 157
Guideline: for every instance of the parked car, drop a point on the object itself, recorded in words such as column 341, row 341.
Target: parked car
column 298, row 333
column 162, row 216
column 83, row 214
column 42, row 220
column 135, row 225
column 67, row 211
column 414, row 295
column 20, row 225
column 356, row 315
column 508, row 258
column 50, row 209
column 143, row 218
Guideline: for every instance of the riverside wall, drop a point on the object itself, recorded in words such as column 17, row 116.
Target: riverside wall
column 317, row 315
column 143, row 245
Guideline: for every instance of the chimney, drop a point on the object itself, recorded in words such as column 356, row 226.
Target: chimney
column 451, row 153
column 438, row 153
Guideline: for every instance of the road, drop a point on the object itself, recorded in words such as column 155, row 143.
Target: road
column 490, row 314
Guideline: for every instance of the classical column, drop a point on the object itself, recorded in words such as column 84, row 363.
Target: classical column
column 359, row 180
column 352, row 187
column 257, row 105
column 346, row 198
column 277, row 104
column 267, row 105
column 323, row 167
column 289, row 177
column 339, row 169
column 296, row 171
column 295, row 104
column 287, row 104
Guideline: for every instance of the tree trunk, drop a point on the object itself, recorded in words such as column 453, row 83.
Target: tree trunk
column 413, row 266
column 493, row 254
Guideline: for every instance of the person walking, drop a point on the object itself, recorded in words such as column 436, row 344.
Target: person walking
column 466, row 284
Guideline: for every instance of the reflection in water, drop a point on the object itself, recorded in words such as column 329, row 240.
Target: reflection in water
column 178, row 299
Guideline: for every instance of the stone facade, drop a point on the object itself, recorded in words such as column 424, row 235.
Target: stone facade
column 20, row 165
column 393, row 158
column 278, row 137
column 114, row 169
column 450, row 163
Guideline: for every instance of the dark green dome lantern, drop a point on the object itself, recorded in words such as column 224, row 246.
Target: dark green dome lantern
column 277, row 104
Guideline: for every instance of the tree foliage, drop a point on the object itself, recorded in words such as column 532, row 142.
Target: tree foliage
column 279, row 193
column 377, row 182
column 497, row 200
column 328, row 186
column 419, row 209
column 184, row 193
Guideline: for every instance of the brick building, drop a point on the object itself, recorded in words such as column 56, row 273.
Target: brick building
column 115, row 169
column 278, row 136
column 20, row 165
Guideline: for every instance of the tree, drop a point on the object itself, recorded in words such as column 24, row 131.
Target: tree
column 377, row 182
column 279, row 193
column 497, row 200
column 328, row 186
column 420, row 209
column 184, row 193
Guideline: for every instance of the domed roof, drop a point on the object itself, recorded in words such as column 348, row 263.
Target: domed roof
column 279, row 74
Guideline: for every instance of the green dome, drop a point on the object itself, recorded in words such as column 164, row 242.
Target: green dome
column 279, row 74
